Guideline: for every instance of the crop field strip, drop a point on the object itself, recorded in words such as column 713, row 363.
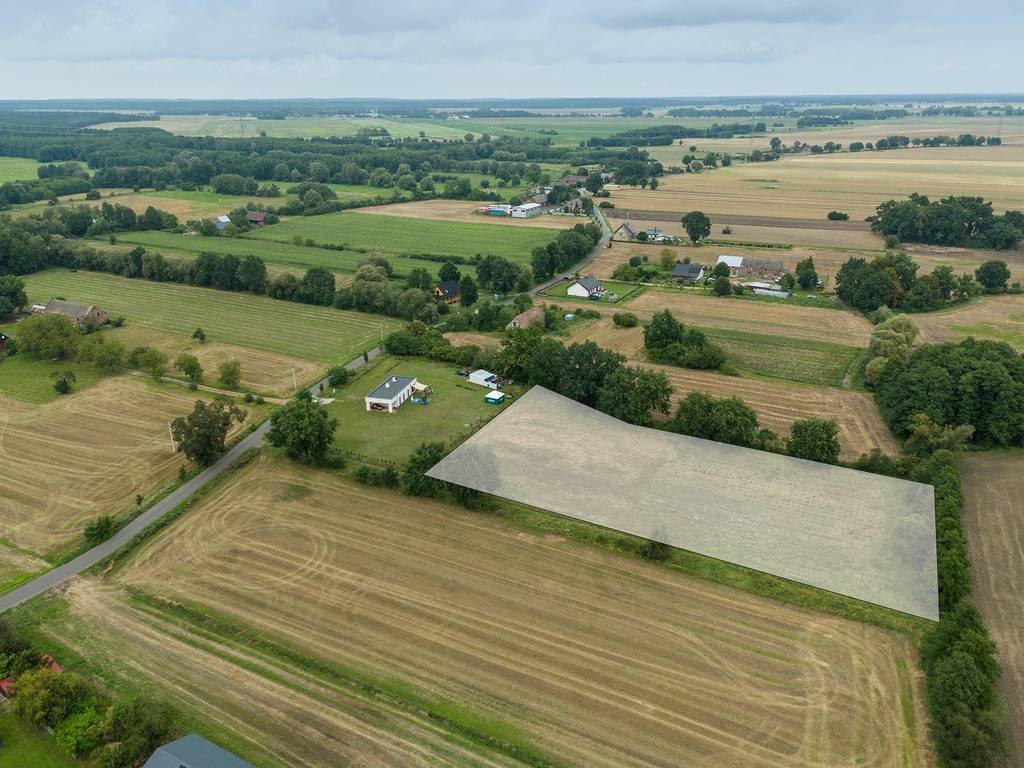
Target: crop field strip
column 994, row 523
column 397, row 234
column 311, row 332
column 997, row 318
column 87, row 454
column 363, row 579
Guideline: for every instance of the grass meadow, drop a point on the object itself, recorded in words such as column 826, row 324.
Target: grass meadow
column 17, row 169
column 315, row 333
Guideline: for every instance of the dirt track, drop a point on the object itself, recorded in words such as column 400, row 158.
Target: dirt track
column 994, row 521
column 601, row 660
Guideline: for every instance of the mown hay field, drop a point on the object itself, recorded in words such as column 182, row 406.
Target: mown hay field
column 84, row 455
column 18, row 169
column 994, row 522
column 778, row 405
column 998, row 318
column 465, row 211
column 809, row 186
column 314, row 333
column 575, row 655
column 398, row 234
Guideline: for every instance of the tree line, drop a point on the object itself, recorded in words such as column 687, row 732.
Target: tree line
column 953, row 220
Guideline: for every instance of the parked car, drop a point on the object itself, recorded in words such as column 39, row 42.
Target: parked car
column 462, row 372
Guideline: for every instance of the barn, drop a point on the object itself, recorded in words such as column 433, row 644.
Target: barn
column 82, row 315
column 390, row 394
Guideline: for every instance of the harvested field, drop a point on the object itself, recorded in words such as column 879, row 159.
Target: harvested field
column 312, row 332
column 809, row 186
column 464, row 210
column 797, row 322
column 588, row 657
column 262, row 370
column 861, row 427
column 470, row 339
column 185, row 209
column 999, row 318
column 87, row 454
column 994, row 522
column 16, row 565
column 781, row 231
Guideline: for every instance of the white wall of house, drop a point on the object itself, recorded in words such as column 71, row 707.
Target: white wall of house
column 577, row 290
column 396, row 400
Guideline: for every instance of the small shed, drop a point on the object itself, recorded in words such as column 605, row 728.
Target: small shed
column 494, row 398
column 390, row 394
column 484, row 379
column 584, row 288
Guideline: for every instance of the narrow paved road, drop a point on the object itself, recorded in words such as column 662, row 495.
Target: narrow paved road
column 606, row 236
column 86, row 560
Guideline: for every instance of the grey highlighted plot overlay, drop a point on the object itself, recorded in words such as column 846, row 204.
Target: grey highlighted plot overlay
column 862, row 535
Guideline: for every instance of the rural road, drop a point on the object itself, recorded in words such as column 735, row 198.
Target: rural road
column 86, row 560
column 606, row 236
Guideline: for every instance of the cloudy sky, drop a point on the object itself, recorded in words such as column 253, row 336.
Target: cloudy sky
column 443, row 49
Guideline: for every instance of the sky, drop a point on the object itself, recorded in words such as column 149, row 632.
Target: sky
column 555, row 48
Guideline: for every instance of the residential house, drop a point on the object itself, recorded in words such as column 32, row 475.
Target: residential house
column 625, row 231
column 390, row 394
column 585, row 288
column 655, row 235
column 193, row 751
column 447, row 291
column 82, row 315
column 532, row 316
column 256, row 218
column 575, row 205
column 571, row 180
column 687, row 272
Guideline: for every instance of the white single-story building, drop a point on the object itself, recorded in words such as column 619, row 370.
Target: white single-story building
column 584, row 288
column 732, row 262
column 484, row 379
column 526, row 210
column 390, row 394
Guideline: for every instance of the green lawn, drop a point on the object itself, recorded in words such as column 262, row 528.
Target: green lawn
column 621, row 290
column 399, row 234
column 25, row 377
column 25, row 746
column 456, row 407
column 315, row 333
column 17, row 169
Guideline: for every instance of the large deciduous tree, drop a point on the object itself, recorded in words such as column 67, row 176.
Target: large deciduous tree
column 201, row 434
column 303, row 428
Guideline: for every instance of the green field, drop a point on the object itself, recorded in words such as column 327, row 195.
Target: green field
column 398, row 234
column 808, row 362
column 25, row 377
column 456, row 407
column 315, row 333
column 17, row 169
column 24, row 745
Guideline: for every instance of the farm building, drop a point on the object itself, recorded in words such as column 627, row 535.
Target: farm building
column 571, row 180
column 485, row 379
column 193, row 751
column 447, row 291
column 625, row 231
column 746, row 266
column 687, row 272
column 532, row 316
column 220, row 222
column 256, row 218
column 859, row 534
column 584, row 288
column 82, row 315
column 576, row 205
column 526, row 210
column 390, row 394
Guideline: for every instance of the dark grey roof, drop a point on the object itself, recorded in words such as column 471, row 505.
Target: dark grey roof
column 68, row 308
column 449, row 287
column 590, row 282
column 686, row 270
column 193, row 751
column 391, row 386
column 628, row 227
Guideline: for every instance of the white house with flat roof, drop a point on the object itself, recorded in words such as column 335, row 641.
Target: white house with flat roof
column 390, row 394
column 526, row 210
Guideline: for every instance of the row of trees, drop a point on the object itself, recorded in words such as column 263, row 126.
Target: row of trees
column 569, row 247
column 87, row 722
column 952, row 220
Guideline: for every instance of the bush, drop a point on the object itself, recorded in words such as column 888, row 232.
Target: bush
column 625, row 320
column 338, row 376
column 100, row 529
column 80, row 734
column 838, row 216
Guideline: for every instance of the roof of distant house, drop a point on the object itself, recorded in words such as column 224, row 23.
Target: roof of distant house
column 391, row 386
column 732, row 261
column 571, row 180
column 256, row 216
column 525, row 318
column 448, row 288
column 193, row 751
column 70, row 309
column 762, row 264
column 590, row 282
column 687, row 270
